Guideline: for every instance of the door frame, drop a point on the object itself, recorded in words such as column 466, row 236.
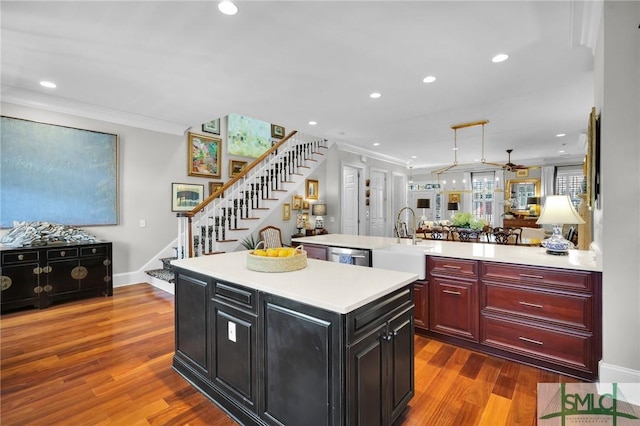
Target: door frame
column 361, row 210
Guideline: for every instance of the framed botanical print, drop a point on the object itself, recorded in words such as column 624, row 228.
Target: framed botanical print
column 286, row 211
column 203, row 156
column 212, row 126
column 296, row 202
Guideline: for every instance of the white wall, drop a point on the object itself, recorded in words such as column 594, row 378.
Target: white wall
column 618, row 101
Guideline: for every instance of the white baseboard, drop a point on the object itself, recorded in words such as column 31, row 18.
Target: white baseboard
column 610, row 373
column 130, row 278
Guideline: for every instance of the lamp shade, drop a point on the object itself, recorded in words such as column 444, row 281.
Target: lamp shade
column 424, row 203
column 452, row 206
column 533, row 200
column 319, row 209
column 558, row 210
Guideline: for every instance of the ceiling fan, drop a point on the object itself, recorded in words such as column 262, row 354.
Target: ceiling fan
column 509, row 166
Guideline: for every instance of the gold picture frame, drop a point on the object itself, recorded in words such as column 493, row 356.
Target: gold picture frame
column 311, row 189
column 236, row 167
column 454, row 197
column 296, row 202
column 277, row 131
column 305, row 205
column 203, row 153
column 214, row 186
column 286, row 211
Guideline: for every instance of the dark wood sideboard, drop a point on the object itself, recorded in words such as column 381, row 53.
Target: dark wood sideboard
column 42, row 275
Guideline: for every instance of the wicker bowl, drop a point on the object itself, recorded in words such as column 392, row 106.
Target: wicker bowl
column 278, row 264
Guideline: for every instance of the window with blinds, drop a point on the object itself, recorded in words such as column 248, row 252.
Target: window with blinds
column 482, row 186
column 570, row 180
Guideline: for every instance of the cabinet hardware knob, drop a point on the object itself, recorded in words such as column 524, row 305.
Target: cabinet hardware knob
column 535, row 342
column 537, row 277
column 457, row 293
column 47, row 269
column 21, row 257
column 79, row 273
column 62, row 254
column 37, row 290
column 37, row 270
column 48, row 288
column 451, row 267
column 531, row 305
column 94, row 251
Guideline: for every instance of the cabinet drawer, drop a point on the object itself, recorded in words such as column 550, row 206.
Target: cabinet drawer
column 20, row 257
column 564, row 309
column 578, row 280
column 94, row 251
column 62, row 253
column 458, row 267
column 364, row 319
column 241, row 297
column 573, row 350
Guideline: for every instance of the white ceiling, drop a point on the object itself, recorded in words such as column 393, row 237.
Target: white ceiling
column 170, row 65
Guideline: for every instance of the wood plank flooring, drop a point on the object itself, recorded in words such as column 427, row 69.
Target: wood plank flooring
column 107, row 361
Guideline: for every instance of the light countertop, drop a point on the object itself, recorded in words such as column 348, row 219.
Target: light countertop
column 585, row 260
column 327, row 285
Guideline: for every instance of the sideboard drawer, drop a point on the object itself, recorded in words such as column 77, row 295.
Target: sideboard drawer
column 569, row 279
column 62, row 253
column 569, row 349
column 94, row 251
column 564, row 309
column 19, row 257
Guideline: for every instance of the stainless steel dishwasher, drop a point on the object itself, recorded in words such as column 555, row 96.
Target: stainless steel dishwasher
column 349, row 256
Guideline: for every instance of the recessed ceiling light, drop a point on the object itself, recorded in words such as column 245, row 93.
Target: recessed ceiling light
column 313, row 123
column 561, row 151
column 227, row 7
column 375, row 95
column 455, row 149
column 48, row 84
column 376, row 144
column 414, row 156
column 500, row 57
column 559, row 135
column 429, row 79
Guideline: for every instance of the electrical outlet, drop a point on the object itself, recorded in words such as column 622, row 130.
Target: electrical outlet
column 232, row 331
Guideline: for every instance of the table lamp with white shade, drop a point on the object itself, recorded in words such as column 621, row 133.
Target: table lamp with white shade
column 318, row 210
column 557, row 211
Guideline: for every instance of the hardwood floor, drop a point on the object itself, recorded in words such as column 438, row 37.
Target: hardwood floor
column 108, row 361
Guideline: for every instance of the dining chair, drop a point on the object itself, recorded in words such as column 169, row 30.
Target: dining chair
column 271, row 236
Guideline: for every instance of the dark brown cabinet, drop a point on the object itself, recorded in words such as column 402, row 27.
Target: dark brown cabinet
column 40, row 276
column 421, row 304
column 270, row 360
column 453, row 285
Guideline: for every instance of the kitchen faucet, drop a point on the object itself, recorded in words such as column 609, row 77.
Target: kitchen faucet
column 413, row 240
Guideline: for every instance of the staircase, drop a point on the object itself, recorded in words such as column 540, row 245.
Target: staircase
column 240, row 207
column 167, row 271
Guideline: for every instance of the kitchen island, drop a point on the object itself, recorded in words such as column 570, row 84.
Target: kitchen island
column 329, row 344
column 514, row 302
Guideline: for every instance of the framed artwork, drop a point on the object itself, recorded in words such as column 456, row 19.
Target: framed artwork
column 305, row 217
column 305, row 205
column 277, row 131
column 296, row 202
column 286, row 211
column 186, row 196
column 247, row 137
column 58, row 174
column 311, row 189
column 203, row 156
column 454, row 197
column 212, row 126
column 236, row 167
column 522, row 173
column 214, row 186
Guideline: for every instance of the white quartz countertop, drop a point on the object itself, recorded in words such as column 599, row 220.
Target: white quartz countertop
column 585, row 260
column 327, row 285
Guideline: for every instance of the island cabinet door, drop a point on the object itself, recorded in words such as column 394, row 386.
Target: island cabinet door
column 234, row 343
column 421, row 302
column 302, row 364
column 191, row 322
column 380, row 370
column 454, row 307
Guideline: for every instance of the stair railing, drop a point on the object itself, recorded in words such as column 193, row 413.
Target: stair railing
column 240, row 201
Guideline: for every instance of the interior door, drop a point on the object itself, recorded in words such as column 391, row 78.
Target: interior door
column 350, row 199
column 378, row 203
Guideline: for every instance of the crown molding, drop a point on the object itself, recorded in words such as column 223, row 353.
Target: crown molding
column 343, row 146
column 28, row 98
